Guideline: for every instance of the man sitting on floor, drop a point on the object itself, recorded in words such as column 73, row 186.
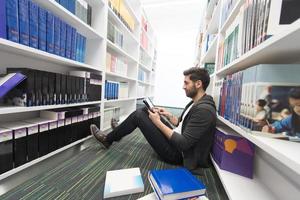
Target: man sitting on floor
column 190, row 142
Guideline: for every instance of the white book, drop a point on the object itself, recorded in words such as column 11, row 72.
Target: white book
column 123, row 182
column 150, row 196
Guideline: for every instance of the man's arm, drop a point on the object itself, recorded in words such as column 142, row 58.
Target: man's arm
column 173, row 119
column 161, row 126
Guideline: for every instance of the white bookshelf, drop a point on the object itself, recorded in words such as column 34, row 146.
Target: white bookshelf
column 276, row 161
column 18, row 55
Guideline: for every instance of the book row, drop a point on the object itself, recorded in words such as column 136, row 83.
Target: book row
column 257, row 21
column 141, row 75
column 120, row 9
column 80, row 8
column 24, row 141
column 116, row 65
column 25, row 22
column 116, row 90
column 47, row 88
column 115, row 35
column 258, row 96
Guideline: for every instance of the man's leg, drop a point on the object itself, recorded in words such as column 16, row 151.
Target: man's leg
column 153, row 135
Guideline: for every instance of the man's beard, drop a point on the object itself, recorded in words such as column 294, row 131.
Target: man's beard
column 191, row 93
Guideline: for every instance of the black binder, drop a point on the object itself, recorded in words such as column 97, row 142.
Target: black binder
column 6, row 149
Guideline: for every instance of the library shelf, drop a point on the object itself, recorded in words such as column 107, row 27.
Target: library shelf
column 210, row 55
column 36, row 54
column 116, row 20
column 284, row 151
column 119, row 76
column 119, row 100
column 120, row 51
column 20, row 109
column 214, row 22
column 33, row 162
column 232, row 16
column 280, row 48
column 70, row 18
column 239, row 187
column 210, row 9
column 147, row 53
column 144, row 67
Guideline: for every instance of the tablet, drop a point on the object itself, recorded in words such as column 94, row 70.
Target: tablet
column 148, row 104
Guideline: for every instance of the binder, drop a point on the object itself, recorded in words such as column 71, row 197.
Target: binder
column 69, row 89
column 57, row 90
column 53, row 136
column 50, row 32
column 3, row 27
column 12, row 21
column 57, row 23
column 32, row 141
column 69, row 41
column 45, row 91
column 73, row 44
column 42, row 29
column 63, row 89
column 33, row 24
column 24, row 22
column 63, row 33
column 51, row 88
column 6, row 149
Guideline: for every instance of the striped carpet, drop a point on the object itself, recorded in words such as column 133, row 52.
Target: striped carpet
column 83, row 176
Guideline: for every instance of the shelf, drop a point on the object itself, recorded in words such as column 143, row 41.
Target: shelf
column 144, row 83
column 210, row 8
column 112, row 16
column 120, row 100
column 33, row 162
column 214, row 22
column 232, row 15
column 239, row 187
column 19, row 109
column 119, row 76
column 145, row 67
column 70, row 18
column 19, row 49
column 120, row 51
column 280, row 48
column 147, row 53
column 210, row 55
column 285, row 151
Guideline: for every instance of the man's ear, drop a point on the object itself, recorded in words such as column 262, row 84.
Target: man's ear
column 198, row 84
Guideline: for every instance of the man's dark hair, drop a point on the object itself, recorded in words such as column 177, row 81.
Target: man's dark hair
column 197, row 73
column 294, row 93
column 261, row 102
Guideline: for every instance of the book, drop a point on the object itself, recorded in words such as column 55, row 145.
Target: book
column 33, row 24
column 42, row 28
column 57, row 23
column 150, row 196
column 24, row 22
column 123, row 182
column 63, row 34
column 12, row 21
column 9, row 81
column 177, row 183
column 50, row 32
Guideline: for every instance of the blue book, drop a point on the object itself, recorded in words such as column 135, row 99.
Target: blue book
column 10, row 81
column 57, row 23
column 80, row 49
column 71, row 6
column 24, row 22
column 33, row 24
column 77, row 47
column 50, row 32
column 175, row 184
column 42, row 28
column 83, row 49
column 12, row 21
column 73, row 44
column 68, row 41
column 63, row 34
column 3, row 30
column 64, row 3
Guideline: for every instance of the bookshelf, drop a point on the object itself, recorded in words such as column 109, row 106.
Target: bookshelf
column 97, row 45
column 276, row 161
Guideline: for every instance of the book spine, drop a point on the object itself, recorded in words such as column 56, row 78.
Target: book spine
column 12, row 21
column 3, row 31
column 63, row 33
column 33, row 24
column 50, row 32
column 83, row 48
column 23, row 22
column 42, row 28
column 57, row 23
column 73, row 44
column 68, row 41
column 77, row 47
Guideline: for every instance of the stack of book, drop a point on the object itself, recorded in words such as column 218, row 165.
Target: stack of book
column 115, row 35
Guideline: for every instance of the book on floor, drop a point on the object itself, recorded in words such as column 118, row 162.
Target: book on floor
column 152, row 196
column 174, row 184
column 123, row 182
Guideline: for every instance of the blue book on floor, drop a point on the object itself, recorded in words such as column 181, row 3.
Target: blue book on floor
column 175, row 184
column 33, row 24
column 42, row 28
column 50, row 32
column 12, row 21
column 24, row 22
column 9, row 81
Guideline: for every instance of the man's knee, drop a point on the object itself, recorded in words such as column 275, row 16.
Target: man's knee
column 141, row 112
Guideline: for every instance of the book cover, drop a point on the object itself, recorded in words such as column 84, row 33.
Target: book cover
column 24, row 22
column 50, row 32
column 12, row 20
column 42, row 29
column 33, row 24
column 123, row 182
column 57, row 23
column 175, row 183
column 9, row 81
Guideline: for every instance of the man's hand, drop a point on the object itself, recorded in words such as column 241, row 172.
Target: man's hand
column 154, row 116
column 162, row 111
column 268, row 129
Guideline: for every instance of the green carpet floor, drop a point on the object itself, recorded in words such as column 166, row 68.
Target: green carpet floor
column 83, row 176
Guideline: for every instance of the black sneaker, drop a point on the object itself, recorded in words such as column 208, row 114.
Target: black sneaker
column 99, row 136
